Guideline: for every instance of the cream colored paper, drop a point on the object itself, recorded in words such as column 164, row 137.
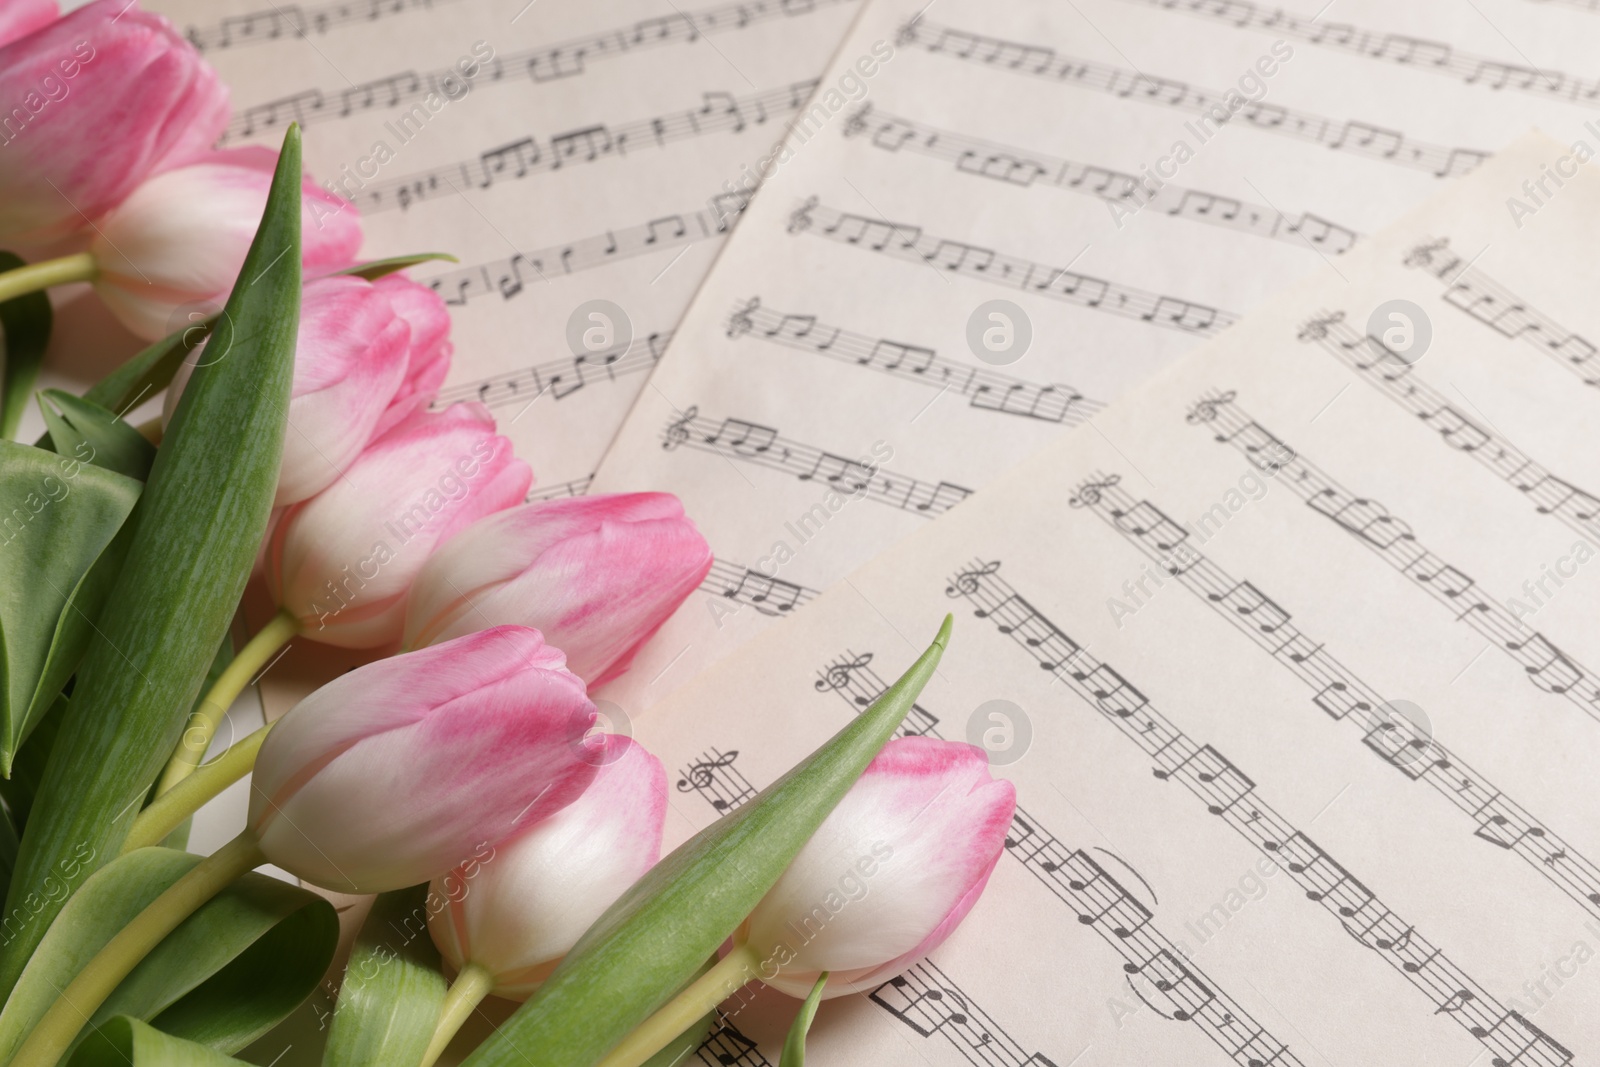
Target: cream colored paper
column 598, row 151
column 988, row 160
column 1292, row 658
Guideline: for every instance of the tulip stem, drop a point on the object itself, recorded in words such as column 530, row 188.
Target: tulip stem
column 468, row 990
column 49, row 1040
column 729, row 975
column 208, row 716
column 167, row 812
column 35, row 276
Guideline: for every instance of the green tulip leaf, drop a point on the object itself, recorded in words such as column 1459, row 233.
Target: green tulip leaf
column 81, row 427
column 393, row 990
column 660, row 933
column 150, row 370
column 63, row 515
column 379, row 267
column 125, row 1042
column 232, row 971
column 794, row 1046
column 27, row 769
column 25, row 323
column 194, row 537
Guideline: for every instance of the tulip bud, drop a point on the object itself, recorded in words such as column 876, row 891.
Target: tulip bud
column 411, row 765
column 890, row 873
column 596, row 575
column 18, row 18
column 429, row 361
column 517, row 914
column 181, row 237
column 95, row 103
column 350, row 354
column 342, row 562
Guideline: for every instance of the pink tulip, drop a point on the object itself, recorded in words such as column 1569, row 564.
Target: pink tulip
column 413, row 765
column 597, row 575
column 350, row 355
column 181, row 237
column 429, row 361
column 95, row 103
column 517, row 914
column 18, row 18
column 889, row 875
column 342, row 562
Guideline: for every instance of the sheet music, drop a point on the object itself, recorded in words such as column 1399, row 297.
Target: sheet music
column 598, row 152
column 1290, row 654
column 1050, row 164
column 589, row 152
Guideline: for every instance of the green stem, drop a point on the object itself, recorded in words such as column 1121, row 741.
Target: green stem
column 468, row 990
column 208, row 716
column 80, row 267
column 730, row 974
column 167, row 812
column 50, row 1039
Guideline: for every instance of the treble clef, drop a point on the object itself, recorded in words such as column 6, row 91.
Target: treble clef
column 857, row 122
column 800, row 220
column 740, row 323
column 702, row 774
column 678, row 432
column 838, row 674
column 1422, row 254
column 1317, row 328
column 1206, row 410
column 966, row 582
column 1088, row 494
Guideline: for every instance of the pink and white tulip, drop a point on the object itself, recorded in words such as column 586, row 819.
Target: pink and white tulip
column 889, row 875
column 516, row 915
column 18, row 18
column 409, row 766
column 350, row 358
column 95, row 103
column 342, row 563
column 429, row 358
column 181, row 237
column 596, row 575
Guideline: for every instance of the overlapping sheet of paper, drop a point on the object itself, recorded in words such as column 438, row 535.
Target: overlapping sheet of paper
column 1294, row 662
column 826, row 394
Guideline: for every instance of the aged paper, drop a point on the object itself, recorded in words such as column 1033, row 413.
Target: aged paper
column 1292, row 658
column 1024, row 209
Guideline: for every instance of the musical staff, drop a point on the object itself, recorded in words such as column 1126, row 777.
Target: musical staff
column 1395, row 378
column 761, row 446
column 727, row 1047
column 1471, row 290
column 1228, row 793
column 902, row 241
column 576, row 487
column 1415, row 53
column 526, row 157
column 716, row 779
column 768, row 595
column 986, row 390
column 1095, row 898
column 1340, row 693
column 509, row 277
column 291, row 20
column 1356, row 138
column 549, row 63
column 1023, row 167
column 560, row 378
column 1392, row 540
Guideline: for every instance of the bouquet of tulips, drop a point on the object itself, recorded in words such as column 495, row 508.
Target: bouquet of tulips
column 459, row 775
